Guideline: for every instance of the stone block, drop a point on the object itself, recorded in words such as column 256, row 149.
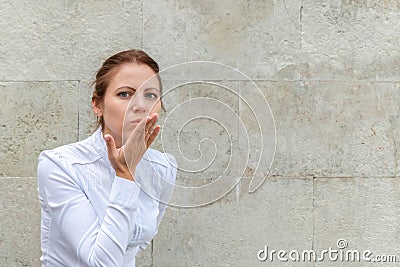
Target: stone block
column 361, row 211
column 57, row 40
column 331, row 129
column 278, row 215
column 145, row 258
column 350, row 40
column 199, row 127
column 87, row 120
column 396, row 130
column 37, row 116
column 260, row 38
column 258, row 142
column 20, row 222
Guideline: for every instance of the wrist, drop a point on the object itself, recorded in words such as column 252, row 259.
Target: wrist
column 125, row 175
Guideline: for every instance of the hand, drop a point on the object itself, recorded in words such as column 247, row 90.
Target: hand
column 125, row 159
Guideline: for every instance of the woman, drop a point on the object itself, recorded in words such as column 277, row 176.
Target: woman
column 103, row 198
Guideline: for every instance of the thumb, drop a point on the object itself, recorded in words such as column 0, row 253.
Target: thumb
column 111, row 147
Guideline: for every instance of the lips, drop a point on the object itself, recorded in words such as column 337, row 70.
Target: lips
column 136, row 121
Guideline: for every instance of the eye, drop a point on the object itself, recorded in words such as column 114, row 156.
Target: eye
column 124, row 94
column 151, row 95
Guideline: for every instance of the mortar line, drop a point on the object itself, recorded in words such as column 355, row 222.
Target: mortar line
column 313, row 216
column 275, row 177
column 38, row 81
column 18, row 177
column 79, row 109
column 336, row 177
column 286, row 81
column 396, row 155
column 301, row 40
column 142, row 13
column 152, row 253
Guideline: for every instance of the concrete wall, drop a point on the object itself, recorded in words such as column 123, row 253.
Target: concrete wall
column 329, row 69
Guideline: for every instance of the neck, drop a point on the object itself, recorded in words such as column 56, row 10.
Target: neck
column 117, row 139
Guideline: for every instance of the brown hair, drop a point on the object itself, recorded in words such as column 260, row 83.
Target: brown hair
column 108, row 68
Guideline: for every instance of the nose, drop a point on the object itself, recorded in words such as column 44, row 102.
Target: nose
column 138, row 104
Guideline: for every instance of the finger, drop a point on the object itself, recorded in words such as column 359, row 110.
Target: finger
column 152, row 123
column 150, row 126
column 151, row 129
column 141, row 129
column 138, row 132
column 111, row 147
column 146, row 123
column 153, row 135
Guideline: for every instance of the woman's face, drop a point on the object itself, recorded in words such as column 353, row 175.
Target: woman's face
column 132, row 94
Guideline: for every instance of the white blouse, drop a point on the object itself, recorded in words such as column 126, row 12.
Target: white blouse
column 90, row 216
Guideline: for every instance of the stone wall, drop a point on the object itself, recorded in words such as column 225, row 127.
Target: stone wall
column 330, row 71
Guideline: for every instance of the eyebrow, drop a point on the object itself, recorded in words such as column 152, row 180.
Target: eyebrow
column 129, row 87
column 151, row 88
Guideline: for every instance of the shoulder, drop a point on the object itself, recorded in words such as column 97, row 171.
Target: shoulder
column 164, row 159
column 165, row 163
column 81, row 152
column 59, row 167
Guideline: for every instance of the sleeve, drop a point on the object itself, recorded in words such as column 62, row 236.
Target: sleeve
column 75, row 219
column 166, row 194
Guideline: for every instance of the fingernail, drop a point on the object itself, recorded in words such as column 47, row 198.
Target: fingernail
column 107, row 138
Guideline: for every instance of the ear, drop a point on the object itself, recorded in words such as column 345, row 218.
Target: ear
column 96, row 106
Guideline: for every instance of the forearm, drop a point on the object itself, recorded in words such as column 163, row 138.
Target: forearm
column 105, row 244
column 76, row 225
